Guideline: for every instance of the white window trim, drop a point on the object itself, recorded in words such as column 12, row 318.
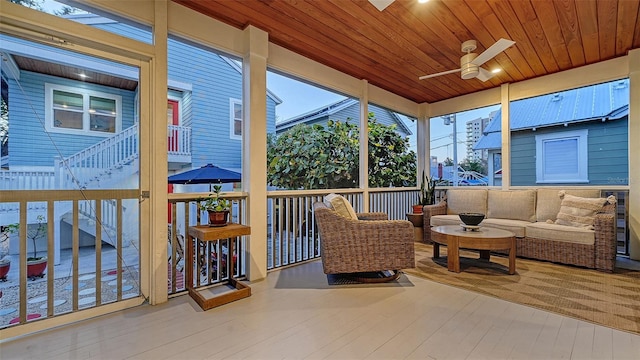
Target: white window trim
column 582, row 175
column 232, row 102
column 48, row 110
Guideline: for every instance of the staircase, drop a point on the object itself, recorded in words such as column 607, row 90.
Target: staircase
column 104, row 165
column 109, row 164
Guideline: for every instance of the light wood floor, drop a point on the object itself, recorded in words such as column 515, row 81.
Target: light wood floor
column 294, row 314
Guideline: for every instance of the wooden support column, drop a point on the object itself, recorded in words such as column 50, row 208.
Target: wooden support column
column 634, row 150
column 254, row 147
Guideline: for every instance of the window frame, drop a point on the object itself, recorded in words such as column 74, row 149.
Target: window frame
column 582, row 175
column 232, row 119
column 86, row 115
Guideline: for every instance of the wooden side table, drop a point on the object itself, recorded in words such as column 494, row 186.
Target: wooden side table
column 416, row 220
column 207, row 233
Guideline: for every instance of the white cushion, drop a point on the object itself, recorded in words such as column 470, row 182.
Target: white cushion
column 515, row 226
column 440, row 220
column 340, row 205
column 548, row 201
column 578, row 211
column 512, row 204
column 466, row 200
column 570, row 234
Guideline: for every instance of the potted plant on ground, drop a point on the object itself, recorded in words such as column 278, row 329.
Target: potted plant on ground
column 216, row 206
column 427, row 193
column 36, row 265
column 5, row 259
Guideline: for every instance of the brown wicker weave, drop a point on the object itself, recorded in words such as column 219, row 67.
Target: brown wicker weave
column 601, row 255
column 427, row 212
column 351, row 246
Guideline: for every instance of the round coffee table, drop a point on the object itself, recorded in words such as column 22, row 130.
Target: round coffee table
column 484, row 239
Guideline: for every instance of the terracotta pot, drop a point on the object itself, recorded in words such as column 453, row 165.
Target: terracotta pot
column 218, row 218
column 4, row 270
column 417, row 209
column 36, row 268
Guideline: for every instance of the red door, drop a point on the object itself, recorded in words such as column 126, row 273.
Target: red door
column 172, row 119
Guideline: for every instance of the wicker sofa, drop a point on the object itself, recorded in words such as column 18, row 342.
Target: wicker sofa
column 352, row 245
column 533, row 216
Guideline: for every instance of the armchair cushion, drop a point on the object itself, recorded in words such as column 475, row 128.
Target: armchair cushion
column 340, row 205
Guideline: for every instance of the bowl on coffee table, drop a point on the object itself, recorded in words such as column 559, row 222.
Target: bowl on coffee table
column 471, row 220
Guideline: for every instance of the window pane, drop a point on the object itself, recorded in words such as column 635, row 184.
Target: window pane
column 67, row 100
column 467, row 139
column 103, row 106
column 392, row 148
column 237, row 118
column 315, row 142
column 67, row 119
column 561, row 157
column 103, row 123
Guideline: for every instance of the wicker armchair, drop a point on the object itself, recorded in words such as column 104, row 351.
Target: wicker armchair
column 369, row 244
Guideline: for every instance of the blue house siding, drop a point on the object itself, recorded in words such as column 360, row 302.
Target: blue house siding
column 30, row 145
column 608, row 150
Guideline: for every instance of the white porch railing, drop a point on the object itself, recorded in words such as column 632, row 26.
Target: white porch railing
column 179, row 142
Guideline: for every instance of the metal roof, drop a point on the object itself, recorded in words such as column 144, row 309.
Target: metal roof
column 607, row 100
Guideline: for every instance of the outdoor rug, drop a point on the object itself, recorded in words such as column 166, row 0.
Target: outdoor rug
column 609, row 299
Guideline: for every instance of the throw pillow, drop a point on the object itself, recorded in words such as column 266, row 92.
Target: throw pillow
column 340, row 205
column 580, row 212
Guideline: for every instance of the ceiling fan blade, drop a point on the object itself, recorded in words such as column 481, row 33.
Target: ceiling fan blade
column 484, row 75
column 381, row 4
column 493, row 50
column 438, row 74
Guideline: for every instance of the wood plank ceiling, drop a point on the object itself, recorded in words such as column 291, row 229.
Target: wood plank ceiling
column 393, row 47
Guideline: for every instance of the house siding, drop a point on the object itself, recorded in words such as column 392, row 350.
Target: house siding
column 608, row 151
column 30, row 145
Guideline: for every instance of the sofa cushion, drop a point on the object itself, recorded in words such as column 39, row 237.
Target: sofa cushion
column 466, row 200
column 578, row 211
column 570, row 234
column 340, row 205
column 512, row 204
column 440, row 220
column 518, row 227
column 548, row 201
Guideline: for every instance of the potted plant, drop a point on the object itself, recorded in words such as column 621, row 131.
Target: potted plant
column 427, row 193
column 5, row 259
column 216, row 206
column 36, row 265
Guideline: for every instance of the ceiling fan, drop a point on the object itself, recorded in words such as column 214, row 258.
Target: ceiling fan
column 470, row 63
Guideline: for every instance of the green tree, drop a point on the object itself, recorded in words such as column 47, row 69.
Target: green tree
column 447, row 162
column 474, row 165
column 315, row 157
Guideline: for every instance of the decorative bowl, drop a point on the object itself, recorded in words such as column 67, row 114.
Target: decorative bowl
column 471, row 219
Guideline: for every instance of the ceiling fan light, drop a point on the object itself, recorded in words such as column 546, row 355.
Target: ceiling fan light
column 467, row 69
column 496, row 70
column 423, row 1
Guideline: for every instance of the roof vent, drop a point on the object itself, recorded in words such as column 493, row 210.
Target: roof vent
column 556, row 97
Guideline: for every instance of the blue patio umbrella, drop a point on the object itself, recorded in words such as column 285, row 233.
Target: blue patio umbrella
column 208, row 174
